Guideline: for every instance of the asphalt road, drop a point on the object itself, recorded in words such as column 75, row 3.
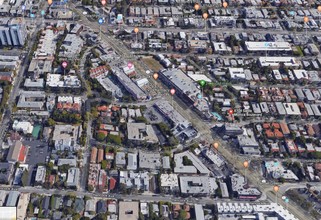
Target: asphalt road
column 141, row 197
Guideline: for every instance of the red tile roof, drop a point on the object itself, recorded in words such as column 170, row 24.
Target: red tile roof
column 112, row 183
column 95, row 72
column 266, row 125
column 102, row 108
column 269, row 133
column 22, row 153
column 278, row 133
column 93, row 155
column 100, row 155
column 275, row 125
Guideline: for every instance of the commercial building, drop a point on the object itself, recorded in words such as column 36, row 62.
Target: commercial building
column 149, row 160
column 242, row 190
column 178, row 122
column 187, row 89
column 276, row 170
column 214, row 157
column 17, row 153
column 248, row 143
column 197, row 185
column 66, row 137
column 140, row 132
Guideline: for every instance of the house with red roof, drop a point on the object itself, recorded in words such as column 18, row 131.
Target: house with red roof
column 98, row 71
column 269, row 133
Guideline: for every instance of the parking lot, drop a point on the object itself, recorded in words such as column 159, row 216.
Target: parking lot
column 38, row 151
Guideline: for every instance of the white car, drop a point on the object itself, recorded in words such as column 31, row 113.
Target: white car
column 85, row 13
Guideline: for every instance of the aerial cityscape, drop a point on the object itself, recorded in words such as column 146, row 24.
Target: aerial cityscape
column 160, row 109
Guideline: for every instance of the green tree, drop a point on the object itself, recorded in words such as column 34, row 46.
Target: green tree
column 24, row 178
column 104, row 164
column 51, row 122
column 141, row 119
column 76, row 216
column 187, row 162
column 100, row 136
column 182, row 214
column 90, row 188
column 114, row 139
column 52, row 202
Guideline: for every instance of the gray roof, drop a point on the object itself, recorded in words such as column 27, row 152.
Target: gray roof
column 12, row 198
column 186, row 85
column 45, row 203
column 197, row 184
column 170, row 113
column 132, row 161
column 197, row 166
column 149, row 160
column 238, row 183
column 73, row 177
column 129, row 85
column 279, row 106
column 79, row 205
column 120, row 158
column 166, row 162
column 199, row 212
column 7, row 171
column 101, row 206
column 71, row 162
